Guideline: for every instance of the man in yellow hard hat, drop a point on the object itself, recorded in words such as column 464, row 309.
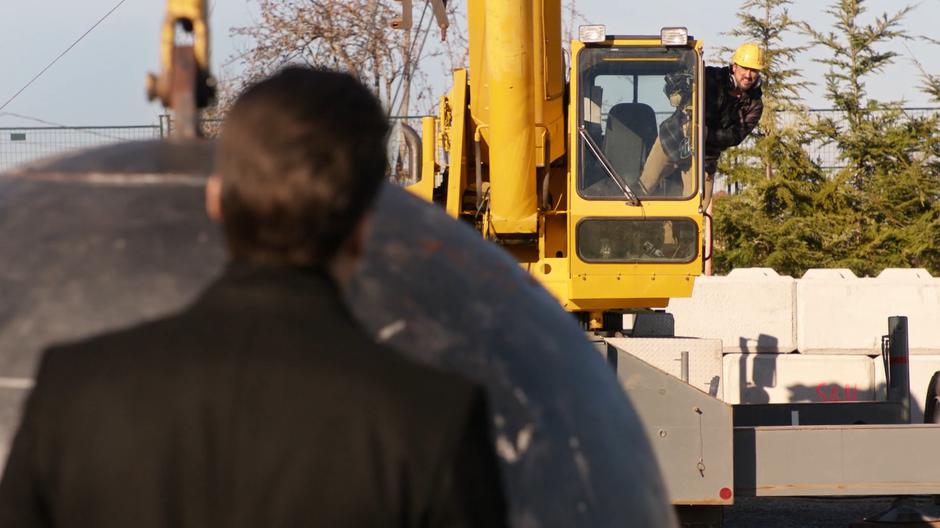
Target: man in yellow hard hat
column 732, row 105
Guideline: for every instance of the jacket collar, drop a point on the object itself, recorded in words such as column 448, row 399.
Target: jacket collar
column 244, row 280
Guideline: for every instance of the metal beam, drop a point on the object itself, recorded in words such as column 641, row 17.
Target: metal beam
column 831, row 413
column 836, row 460
column 690, row 431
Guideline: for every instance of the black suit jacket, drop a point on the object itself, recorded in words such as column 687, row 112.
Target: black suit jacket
column 263, row 404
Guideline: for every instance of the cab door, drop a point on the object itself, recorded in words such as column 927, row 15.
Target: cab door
column 634, row 219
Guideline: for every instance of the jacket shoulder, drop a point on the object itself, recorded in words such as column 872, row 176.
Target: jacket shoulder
column 111, row 358
column 717, row 72
column 422, row 388
column 756, row 93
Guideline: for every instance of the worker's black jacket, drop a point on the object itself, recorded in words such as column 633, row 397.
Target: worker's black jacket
column 728, row 119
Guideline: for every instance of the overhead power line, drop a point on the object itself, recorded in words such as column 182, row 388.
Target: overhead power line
column 85, row 34
column 53, row 124
column 411, row 54
column 31, row 118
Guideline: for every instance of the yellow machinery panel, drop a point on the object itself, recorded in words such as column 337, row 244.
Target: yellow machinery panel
column 600, row 199
column 518, row 21
column 454, row 134
column 516, row 98
column 631, row 252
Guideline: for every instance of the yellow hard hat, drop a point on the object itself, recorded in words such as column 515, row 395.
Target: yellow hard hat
column 749, row 55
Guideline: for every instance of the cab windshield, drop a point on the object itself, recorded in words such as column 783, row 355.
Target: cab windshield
column 636, row 123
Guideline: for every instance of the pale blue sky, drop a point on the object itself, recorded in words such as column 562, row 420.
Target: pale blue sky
column 707, row 20
column 101, row 80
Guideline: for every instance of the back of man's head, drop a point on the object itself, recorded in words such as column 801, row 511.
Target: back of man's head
column 301, row 158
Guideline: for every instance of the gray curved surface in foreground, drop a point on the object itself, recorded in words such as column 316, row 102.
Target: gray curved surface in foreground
column 84, row 250
column 115, row 235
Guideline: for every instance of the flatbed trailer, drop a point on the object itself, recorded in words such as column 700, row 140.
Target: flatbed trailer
column 711, row 452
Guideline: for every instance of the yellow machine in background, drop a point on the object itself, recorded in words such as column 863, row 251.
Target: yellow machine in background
column 593, row 182
column 184, row 83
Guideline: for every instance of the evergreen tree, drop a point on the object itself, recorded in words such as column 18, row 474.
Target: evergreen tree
column 890, row 177
column 773, row 221
column 881, row 209
column 852, row 55
column 931, row 85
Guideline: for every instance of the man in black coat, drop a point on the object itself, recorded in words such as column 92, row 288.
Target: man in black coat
column 733, row 106
column 263, row 403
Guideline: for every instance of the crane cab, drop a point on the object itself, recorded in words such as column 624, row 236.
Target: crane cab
column 616, row 182
column 630, row 234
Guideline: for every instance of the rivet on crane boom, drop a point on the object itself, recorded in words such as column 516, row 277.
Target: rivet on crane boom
column 554, row 169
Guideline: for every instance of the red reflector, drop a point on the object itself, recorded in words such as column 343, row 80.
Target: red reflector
column 896, row 360
column 725, row 493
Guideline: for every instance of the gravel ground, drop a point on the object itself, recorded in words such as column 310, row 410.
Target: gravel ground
column 752, row 512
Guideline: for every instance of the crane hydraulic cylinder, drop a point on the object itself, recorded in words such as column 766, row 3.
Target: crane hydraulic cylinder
column 509, row 81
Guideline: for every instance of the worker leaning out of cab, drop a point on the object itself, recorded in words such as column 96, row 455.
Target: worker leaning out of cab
column 733, row 107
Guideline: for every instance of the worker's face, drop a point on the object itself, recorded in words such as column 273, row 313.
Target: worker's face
column 745, row 78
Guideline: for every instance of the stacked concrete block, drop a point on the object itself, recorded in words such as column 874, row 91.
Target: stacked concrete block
column 666, row 353
column 922, row 369
column 833, row 319
column 839, row 313
column 750, row 310
column 785, row 378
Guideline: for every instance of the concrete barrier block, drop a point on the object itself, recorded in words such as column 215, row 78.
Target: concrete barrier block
column 752, row 273
column 922, row 368
column 792, row 378
column 838, row 313
column 905, row 274
column 750, row 310
column 828, row 274
column 665, row 353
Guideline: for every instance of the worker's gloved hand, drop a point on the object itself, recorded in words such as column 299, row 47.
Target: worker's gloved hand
column 685, row 149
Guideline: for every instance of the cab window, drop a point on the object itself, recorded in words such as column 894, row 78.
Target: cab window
column 636, row 122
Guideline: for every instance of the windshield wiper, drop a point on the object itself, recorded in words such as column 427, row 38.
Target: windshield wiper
column 608, row 168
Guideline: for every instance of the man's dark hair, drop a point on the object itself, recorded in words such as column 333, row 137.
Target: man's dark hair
column 302, row 156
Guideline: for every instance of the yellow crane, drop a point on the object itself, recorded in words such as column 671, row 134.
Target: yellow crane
column 184, row 83
column 592, row 180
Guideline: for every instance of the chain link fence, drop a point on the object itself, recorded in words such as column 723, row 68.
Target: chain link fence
column 827, row 155
column 19, row 145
